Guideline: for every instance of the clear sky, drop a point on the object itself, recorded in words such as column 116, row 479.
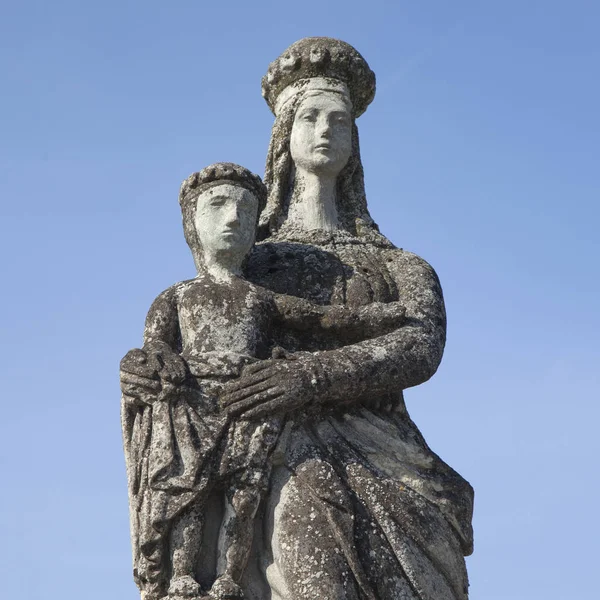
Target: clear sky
column 481, row 154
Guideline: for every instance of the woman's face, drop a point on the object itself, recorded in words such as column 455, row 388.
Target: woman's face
column 321, row 140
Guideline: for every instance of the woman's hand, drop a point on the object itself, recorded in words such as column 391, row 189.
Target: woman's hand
column 273, row 386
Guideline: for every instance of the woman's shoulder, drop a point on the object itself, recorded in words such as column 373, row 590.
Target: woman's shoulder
column 400, row 256
column 406, row 266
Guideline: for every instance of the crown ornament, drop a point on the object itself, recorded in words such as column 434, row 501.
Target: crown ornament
column 321, row 57
column 223, row 172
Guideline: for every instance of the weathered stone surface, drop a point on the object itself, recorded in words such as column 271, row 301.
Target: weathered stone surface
column 269, row 451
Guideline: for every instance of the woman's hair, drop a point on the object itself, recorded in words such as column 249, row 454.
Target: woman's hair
column 351, row 199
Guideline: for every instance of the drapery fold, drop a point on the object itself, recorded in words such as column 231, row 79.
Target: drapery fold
column 383, row 514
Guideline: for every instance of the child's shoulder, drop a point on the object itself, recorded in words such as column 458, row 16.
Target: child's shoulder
column 202, row 286
column 173, row 294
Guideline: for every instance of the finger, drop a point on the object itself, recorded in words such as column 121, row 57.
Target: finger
column 144, row 382
column 168, row 371
column 267, row 408
column 248, row 403
column 260, row 410
column 134, row 391
column 144, row 370
column 136, row 355
column 155, row 361
column 232, row 398
column 256, row 367
column 245, row 381
column 139, row 379
column 170, row 366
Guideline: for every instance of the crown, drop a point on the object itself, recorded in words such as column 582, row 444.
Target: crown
column 224, row 172
column 321, row 57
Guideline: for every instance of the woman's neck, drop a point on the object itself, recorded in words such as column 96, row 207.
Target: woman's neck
column 313, row 202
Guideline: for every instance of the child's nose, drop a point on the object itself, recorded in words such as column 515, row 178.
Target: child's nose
column 233, row 217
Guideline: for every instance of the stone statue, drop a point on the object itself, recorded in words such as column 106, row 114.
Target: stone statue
column 269, row 451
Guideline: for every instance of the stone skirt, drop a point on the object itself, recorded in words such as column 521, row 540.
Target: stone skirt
column 361, row 508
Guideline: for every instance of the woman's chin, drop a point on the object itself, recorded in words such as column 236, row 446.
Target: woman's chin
column 326, row 166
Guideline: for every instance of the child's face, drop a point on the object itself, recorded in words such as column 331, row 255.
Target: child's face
column 225, row 220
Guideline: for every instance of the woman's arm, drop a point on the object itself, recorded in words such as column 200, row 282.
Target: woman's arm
column 349, row 324
column 406, row 357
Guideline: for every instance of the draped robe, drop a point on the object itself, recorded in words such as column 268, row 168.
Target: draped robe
column 360, row 507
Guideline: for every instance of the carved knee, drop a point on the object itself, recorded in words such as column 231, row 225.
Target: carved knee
column 320, row 478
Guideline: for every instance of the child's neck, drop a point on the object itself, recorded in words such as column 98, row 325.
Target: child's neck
column 222, row 268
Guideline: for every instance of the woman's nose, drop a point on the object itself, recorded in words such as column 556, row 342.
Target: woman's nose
column 324, row 128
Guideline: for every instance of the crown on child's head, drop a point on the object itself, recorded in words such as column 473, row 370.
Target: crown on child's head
column 224, row 173
column 319, row 57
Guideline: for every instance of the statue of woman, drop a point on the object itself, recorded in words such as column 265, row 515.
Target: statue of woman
column 181, row 445
column 359, row 506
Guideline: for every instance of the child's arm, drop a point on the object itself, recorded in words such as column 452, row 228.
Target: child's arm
column 353, row 323
column 162, row 337
column 145, row 371
column 162, row 323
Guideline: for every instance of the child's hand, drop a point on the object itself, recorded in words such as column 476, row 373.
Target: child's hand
column 139, row 376
column 170, row 366
column 148, row 374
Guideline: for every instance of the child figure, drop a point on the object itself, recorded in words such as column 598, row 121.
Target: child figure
column 179, row 443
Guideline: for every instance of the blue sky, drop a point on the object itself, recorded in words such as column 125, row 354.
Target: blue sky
column 481, row 153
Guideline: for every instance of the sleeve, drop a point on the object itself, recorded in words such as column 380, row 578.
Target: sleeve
column 405, row 357
column 347, row 324
column 297, row 313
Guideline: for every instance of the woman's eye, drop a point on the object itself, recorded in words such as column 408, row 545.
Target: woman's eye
column 308, row 117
